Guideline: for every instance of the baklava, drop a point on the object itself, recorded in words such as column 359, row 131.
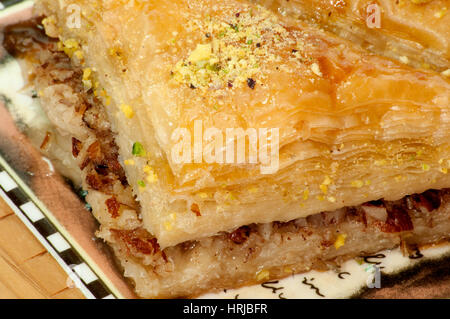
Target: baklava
column 363, row 143
column 415, row 32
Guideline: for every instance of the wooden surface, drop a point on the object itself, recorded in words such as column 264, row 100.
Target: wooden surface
column 27, row 270
column 60, row 199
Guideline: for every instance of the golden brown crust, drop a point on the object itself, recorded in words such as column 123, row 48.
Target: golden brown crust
column 348, row 119
column 249, row 254
column 415, row 32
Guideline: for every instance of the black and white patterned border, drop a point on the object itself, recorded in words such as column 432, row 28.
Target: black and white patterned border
column 35, row 217
column 9, row 3
column 8, row 7
column 39, row 224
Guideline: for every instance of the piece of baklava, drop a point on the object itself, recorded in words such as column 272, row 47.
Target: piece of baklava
column 357, row 134
column 352, row 126
column 415, row 32
column 250, row 254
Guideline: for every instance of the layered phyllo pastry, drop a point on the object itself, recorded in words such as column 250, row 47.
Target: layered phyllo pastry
column 223, row 144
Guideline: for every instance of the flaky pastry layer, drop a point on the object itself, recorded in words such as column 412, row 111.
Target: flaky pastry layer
column 415, row 32
column 353, row 126
column 251, row 254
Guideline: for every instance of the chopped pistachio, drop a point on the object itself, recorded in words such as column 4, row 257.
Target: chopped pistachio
column 227, row 61
column 263, row 274
column 79, row 54
column 141, row 183
column 87, row 73
column 138, row 150
column 147, row 169
column 152, row 177
column 201, row 53
column 127, row 110
column 340, row 241
column 357, row 183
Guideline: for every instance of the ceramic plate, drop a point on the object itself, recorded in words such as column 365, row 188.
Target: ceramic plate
column 59, row 218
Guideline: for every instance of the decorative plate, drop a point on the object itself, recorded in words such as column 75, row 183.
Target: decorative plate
column 49, row 207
